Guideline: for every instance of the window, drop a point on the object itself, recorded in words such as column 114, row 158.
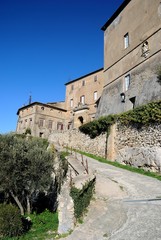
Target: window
column 95, row 78
column 95, row 95
column 50, row 124
column 41, row 134
column 59, row 126
column 41, row 122
column 126, row 82
column 69, row 125
column 126, row 40
column 83, row 83
column 42, row 108
column 72, row 87
column 82, row 99
column 81, row 119
column 71, row 103
column 133, row 99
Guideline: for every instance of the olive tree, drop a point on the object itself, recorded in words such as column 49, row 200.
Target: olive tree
column 25, row 168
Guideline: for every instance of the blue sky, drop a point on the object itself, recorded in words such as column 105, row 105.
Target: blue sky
column 43, row 45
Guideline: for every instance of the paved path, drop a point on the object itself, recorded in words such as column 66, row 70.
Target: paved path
column 126, row 207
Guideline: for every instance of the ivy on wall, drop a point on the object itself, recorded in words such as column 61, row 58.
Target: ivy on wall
column 82, row 197
column 143, row 115
column 97, row 127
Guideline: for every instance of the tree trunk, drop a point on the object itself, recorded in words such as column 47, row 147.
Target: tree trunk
column 18, row 203
column 28, row 205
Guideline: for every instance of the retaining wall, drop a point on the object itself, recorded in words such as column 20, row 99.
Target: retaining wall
column 139, row 147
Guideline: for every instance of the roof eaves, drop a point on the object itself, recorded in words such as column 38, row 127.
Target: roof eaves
column 84, row 76
column 116, row 13
column 42, row 104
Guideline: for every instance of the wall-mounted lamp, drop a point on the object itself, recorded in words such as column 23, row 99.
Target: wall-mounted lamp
column 122, row 97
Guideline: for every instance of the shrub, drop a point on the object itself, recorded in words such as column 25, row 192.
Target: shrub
column 28, row 131
column 10, row 221
column 97, row 127
column 138, row 117
column 143, row 115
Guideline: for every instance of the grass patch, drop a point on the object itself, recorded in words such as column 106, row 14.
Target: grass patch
column 119, row 165
column 44, row 226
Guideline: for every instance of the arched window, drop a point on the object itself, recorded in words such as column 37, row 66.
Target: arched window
column 81, row 119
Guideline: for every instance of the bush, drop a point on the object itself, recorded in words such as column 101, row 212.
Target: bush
column 142, row 115
column 97, row 127
column 10, row 221
column 28, row 131
column 138, row 117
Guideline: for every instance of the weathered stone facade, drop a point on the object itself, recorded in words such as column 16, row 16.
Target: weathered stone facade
column 41, row 119
column 132, row 53
column 82, row 95
column 75, row 139
column 139, row 147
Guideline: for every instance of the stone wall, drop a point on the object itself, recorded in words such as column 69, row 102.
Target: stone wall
column 138, row 147
column 76, row 177
column 80, row 141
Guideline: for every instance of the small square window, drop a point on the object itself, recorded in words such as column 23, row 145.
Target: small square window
column 71, row 103
column 95, row 78
column 126, row 40
column 50, row 124
column 41, row 122
column 82, row 99
column 95, row 95
column 126, row 82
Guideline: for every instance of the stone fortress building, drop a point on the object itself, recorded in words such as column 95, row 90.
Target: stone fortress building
column 132, row 54
column 82, row 97
column 129, row 78
column 79, row 107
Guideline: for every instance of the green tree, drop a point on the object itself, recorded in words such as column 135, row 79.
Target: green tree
column 25, row 168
